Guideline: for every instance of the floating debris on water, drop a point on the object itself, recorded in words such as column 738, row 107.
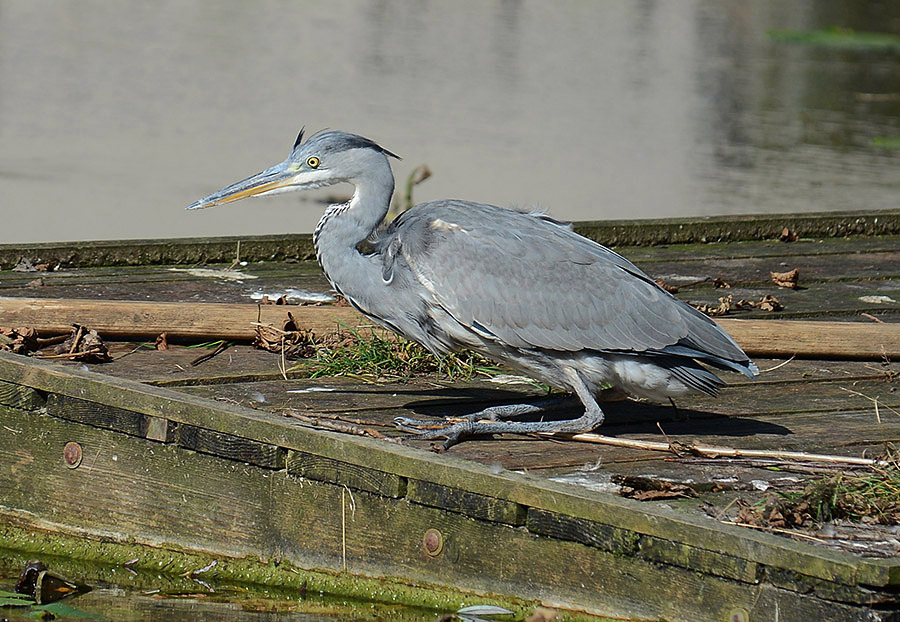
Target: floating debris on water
column 291, row 295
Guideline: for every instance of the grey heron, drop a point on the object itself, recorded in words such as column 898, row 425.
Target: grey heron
column 518, row 287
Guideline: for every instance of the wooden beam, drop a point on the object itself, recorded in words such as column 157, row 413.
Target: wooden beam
column 130, row 319
column 814, row 339
column 124, row 319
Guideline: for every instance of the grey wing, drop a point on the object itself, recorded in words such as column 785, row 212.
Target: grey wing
column 529, row 282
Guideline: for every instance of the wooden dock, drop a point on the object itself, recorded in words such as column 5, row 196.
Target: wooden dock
column 238, row 459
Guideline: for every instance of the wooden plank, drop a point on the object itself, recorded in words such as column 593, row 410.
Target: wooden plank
column 99, row 415
column 465, row 502
column 119, row 319
column 128, row 319
column 230, row 446
column 168, row 496
column 323, row 469
column 629, row 544
column 406, row 462
column 17, row 396
column 645, row 232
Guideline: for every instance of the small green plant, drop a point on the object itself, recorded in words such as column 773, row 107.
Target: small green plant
column 351, row 353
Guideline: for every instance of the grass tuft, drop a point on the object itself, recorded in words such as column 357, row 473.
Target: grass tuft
column 348, row 352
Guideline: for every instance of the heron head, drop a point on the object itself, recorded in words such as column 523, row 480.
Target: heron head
column 326, row 158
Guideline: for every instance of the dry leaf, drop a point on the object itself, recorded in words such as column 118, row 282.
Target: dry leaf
column 769, row 303
column 788, row 236
column 786, row 279
column 162, row 342
column 18, row 340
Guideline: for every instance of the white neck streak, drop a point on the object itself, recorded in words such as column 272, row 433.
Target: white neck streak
column 343, row 227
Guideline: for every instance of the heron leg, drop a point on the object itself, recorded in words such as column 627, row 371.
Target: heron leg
column 491, row 413
column 485, row 422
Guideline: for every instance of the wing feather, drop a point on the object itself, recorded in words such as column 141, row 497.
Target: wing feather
column 534, row 283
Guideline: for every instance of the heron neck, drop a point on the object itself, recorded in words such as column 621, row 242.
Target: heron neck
column 343, row 227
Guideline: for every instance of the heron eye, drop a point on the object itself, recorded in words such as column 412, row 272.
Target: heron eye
column 312, row 162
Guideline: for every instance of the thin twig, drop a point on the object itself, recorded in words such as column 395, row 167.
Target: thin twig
column 205, row 357
column 872, row 317
column 782, row 364
column 774, row 530
column 871, row 399
column 70, row 355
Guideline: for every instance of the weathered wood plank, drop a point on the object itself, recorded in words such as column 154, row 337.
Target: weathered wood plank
column 168, row 496
column 405, row 462
column 230, row 446
column 465, row 502
column 648, row 232
column 21, row 397
column 630, row 544
column 124, row 319
column 323, row 469
column 96, row 414
column 770, row 338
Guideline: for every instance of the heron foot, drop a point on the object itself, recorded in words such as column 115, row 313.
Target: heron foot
column 488, row 421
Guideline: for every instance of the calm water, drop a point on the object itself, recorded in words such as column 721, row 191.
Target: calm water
column 114, row 116
column 120, row 594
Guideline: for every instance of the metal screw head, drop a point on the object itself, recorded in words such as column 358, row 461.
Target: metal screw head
column 433, row 542
column 738, row 614
column 72, row 454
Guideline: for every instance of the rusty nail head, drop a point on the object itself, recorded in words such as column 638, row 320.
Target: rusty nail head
column 72, row 454
column 739, row 614
column 433, row 542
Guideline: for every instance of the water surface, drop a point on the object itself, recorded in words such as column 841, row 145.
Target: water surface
column 114, row 116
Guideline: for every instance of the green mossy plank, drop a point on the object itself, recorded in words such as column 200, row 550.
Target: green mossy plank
column 164, row 285
column 622, row 542
column 525, row 489
column 98, row 560
column 230, row 446
column 166, row 496
column 699, row 559
column 610, row 233
column 17, row 396
column 739, row 227
column 169, row 251
column 464, row 502
column 320, row 468
column 712, row 251
column 813, row 269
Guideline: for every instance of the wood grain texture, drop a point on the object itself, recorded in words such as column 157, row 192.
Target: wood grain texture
column 323, row 469
column 168, row 496
column 230, row 446
column 122, row 319
column 137, row 319
column 465, row 502
column 531, row 491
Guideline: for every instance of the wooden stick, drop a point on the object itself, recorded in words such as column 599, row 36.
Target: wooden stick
column 119, row 319
column 127, row 319
column 814, row 339
column 713, row 451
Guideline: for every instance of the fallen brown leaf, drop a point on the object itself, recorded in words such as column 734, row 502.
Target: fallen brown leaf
column 786, row 279
column 788, row 236
column 18, row 340
column 162, row 342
